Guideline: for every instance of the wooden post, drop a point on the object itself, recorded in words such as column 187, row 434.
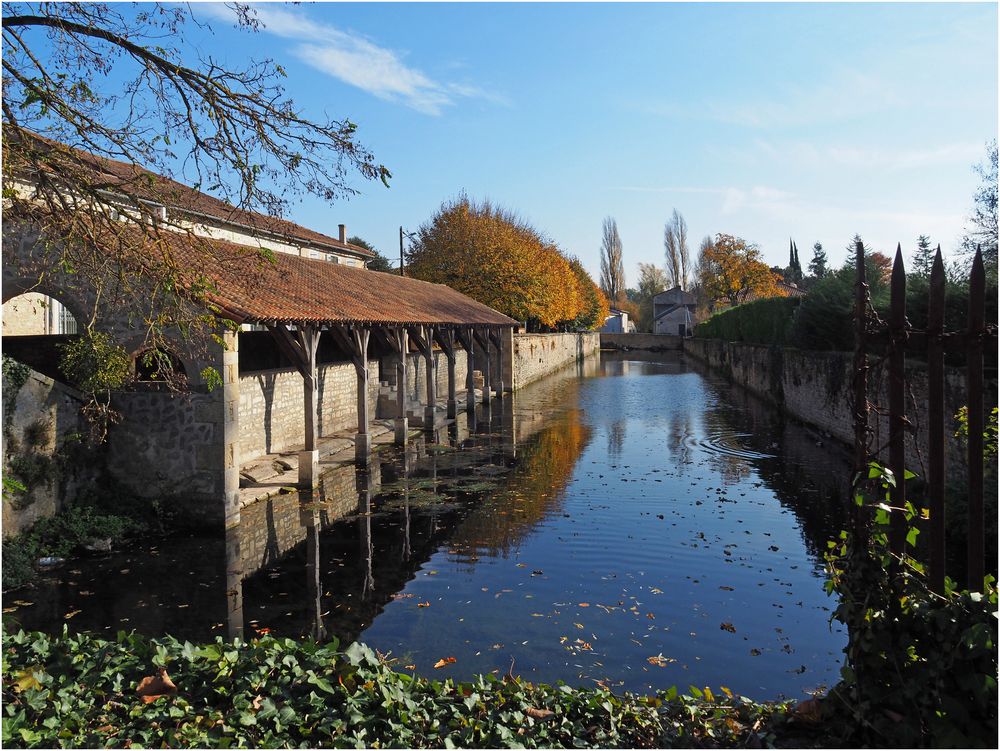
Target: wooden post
column 484, row 342
column 400, row 426
column 446, row 339
column 301, row 350
column 469, row 344
column 935, row 423
column 423, row 337
column 860, row 394
column 897, row 403
column 363, row 441
column 497, row 340
column 354, row 341
column 974, row 386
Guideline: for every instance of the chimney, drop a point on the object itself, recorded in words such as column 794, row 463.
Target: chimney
column 343, row 232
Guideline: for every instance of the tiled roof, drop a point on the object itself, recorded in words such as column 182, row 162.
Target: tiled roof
column 292, row 289
column 154, row 187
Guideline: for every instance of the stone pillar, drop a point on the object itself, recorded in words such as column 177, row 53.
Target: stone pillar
column 452, row 401
column 507, row 357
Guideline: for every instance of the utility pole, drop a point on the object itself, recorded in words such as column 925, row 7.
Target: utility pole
column 409, row 235
column 401, row 272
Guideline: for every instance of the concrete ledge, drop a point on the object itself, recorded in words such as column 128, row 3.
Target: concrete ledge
column 652, row 342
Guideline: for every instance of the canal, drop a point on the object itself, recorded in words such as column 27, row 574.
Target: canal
column 634, row 521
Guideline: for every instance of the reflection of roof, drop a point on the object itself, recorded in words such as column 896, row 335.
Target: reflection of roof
column 291, row 289
column 157, row 188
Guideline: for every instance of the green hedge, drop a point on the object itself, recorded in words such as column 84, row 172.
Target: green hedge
column 766, row 321
column 81, row 691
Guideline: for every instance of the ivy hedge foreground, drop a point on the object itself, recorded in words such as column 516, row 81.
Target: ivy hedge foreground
column 78, row 690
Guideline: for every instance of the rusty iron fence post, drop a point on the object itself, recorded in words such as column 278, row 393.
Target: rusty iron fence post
column 860, row 391
column 897, row 403
column 974, row 384
column 935, row 423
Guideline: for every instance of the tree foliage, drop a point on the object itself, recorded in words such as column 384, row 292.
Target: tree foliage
column 982, row 229
column 494, row 256
column 675, row 248
column 612, row 266
column 923, row 258
column 818, row 264
column 88, row 83
column 379, row 262
column 733, row 269
column 652, row 281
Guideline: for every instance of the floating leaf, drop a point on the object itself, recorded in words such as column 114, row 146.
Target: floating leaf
column 660, row 661
column 728, row 627
column 444, row 661
column 424, row 604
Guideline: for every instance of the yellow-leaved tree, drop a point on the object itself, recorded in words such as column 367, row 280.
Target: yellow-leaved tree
column 731, row 268
column 494, row 256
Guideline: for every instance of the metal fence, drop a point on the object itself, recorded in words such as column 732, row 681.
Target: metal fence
column 888, row 339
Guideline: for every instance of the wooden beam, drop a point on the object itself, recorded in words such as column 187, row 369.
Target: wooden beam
column 289, row 346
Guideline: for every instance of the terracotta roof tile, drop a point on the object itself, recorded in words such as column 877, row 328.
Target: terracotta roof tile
column 300, row 290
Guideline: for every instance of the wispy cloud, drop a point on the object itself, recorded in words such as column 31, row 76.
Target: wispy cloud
column 358, row 61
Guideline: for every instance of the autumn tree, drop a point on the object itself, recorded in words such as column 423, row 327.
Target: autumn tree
column 675, row 247
column 594, row 308
column 494, row 256
column 733, row 269
column 85, row 83
column 612, row 265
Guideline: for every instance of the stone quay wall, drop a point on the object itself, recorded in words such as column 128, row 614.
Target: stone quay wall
column 815, row 387
column 535, row 356
column 655, row 342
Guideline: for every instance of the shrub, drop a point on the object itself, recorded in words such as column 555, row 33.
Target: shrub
column 765, row 321
column 922, row 667
column 80, row 691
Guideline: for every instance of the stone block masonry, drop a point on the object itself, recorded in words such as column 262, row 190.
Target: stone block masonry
column 535, row 356
column 653, row 342
column 815, row 388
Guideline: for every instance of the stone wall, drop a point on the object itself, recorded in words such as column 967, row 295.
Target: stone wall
column 534, row 356
column 272, row 404
column 416, row 375
column 641, row 341
column 815, row 388
column 42, row 424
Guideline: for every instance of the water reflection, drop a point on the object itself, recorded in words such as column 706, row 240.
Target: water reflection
column 619, row 510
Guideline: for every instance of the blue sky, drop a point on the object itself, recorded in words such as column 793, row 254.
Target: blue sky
column 767, row 121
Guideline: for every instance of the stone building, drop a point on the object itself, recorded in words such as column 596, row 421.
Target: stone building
column 618, row 323
column 305, row 341
column 673, row 312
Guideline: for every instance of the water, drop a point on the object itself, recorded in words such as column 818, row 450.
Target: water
column 635, row 522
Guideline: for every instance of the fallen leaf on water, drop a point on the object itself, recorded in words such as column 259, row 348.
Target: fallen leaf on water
column 660, row 661
column 70, row 614
column 444, row 661
column 10, row 610
column 539, row 714
column 578, row 625
column 424, row 604
column 410, row 667
column 725, row 588
column 656, row 590
column 25, row 603
column 584, row 604
column 728, row 627
column 152, row 687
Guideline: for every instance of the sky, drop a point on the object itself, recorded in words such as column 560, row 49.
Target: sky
column 765, row 121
